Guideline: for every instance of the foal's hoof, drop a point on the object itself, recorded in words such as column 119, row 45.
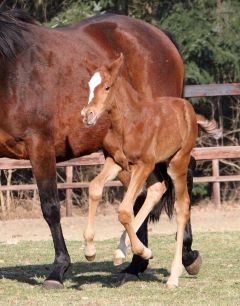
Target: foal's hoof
column 171, row 286
column 52, row 284
column 147, row 254
column 118, row 261
column 119, row 257
column 90, row 253
column 194, row 268
column 90, row 257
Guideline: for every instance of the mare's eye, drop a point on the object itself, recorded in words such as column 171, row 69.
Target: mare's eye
column 107, row 88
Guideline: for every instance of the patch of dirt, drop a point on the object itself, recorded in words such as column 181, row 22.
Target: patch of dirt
column 204, row 218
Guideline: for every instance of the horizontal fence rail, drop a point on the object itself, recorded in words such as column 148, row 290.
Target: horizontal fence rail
column 209, row 153
column 211, row 90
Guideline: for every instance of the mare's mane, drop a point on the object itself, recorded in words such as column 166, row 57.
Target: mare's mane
column 13, row 24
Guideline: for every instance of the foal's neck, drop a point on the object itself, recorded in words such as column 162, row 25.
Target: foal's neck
column 126, row 104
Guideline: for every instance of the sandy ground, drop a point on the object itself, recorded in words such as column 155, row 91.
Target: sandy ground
column 107, row 226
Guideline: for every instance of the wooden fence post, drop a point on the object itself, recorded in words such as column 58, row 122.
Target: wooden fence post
column 216, row 185
column 2, row 201
column 69, row 192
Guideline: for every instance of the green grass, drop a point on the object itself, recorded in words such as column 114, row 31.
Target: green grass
column 24, row 266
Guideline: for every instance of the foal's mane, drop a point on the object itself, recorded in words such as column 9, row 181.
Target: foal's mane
column 13, row 24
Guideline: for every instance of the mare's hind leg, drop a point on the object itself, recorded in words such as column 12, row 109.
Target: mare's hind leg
column 108, row 173
column 191, row 259
column 138, row 264
column 178, row 172
column 42, row 157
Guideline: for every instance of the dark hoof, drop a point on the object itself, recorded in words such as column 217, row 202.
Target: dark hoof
column 194, row 268
column 127, row 277
column 52, row 284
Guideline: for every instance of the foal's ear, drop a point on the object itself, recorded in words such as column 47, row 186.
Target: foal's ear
column 90, row 66
column 115, row 67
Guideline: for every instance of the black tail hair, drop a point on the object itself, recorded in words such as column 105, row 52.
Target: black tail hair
column 168, row 199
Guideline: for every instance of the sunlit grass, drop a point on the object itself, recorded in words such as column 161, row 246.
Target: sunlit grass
column 25, row 265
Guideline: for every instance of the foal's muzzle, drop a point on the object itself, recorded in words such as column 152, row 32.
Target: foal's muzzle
column 89, row 117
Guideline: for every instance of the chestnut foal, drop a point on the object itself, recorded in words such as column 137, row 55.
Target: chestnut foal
column 141, row 135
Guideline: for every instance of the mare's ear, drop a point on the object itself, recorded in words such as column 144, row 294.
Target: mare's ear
column 115, row 67
column 90, row 66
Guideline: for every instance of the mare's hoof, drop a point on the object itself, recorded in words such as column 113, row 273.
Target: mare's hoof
column 119, row 258
column 52, row 284
column 128, row 277
column 194, row 268
column 90, row 257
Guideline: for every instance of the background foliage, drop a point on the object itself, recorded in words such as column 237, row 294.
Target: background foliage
column 207, row 32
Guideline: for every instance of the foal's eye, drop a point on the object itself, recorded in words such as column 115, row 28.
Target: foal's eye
column 107, row 88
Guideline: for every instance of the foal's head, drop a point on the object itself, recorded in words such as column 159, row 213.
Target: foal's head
column 101, row 91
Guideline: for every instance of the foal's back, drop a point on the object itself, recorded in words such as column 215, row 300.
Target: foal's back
column 170, row 124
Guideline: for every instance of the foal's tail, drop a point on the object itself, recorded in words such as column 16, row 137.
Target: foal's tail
column 209, row 126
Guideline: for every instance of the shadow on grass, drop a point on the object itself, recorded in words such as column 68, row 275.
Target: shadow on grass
column 80, row 274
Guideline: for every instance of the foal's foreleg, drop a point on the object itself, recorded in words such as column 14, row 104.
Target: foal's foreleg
column 42, row 157
column 109, row 172
column 140, row 173
column 154, row 194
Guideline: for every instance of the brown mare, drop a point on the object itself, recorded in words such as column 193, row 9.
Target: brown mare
column 140, row 136
column 43, row 87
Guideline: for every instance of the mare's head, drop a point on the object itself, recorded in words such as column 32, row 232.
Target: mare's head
column 101, row 89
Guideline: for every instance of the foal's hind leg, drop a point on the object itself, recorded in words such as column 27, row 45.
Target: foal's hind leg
column 178, row 172
column 108, row 173
column 42, row 157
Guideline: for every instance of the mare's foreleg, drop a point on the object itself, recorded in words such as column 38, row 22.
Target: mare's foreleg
column 42, row 157
column 108, row 173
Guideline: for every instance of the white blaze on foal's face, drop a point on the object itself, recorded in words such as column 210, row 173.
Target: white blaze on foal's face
column 93, row 83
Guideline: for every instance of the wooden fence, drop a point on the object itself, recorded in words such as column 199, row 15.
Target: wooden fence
column 209, row 153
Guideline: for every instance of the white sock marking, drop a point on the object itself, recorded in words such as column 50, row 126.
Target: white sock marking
column 93, row 83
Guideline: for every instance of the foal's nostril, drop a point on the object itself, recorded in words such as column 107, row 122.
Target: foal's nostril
column 90, row 116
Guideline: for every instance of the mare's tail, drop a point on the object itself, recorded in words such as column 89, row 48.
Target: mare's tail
column 168, row 198
column 209, row 126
